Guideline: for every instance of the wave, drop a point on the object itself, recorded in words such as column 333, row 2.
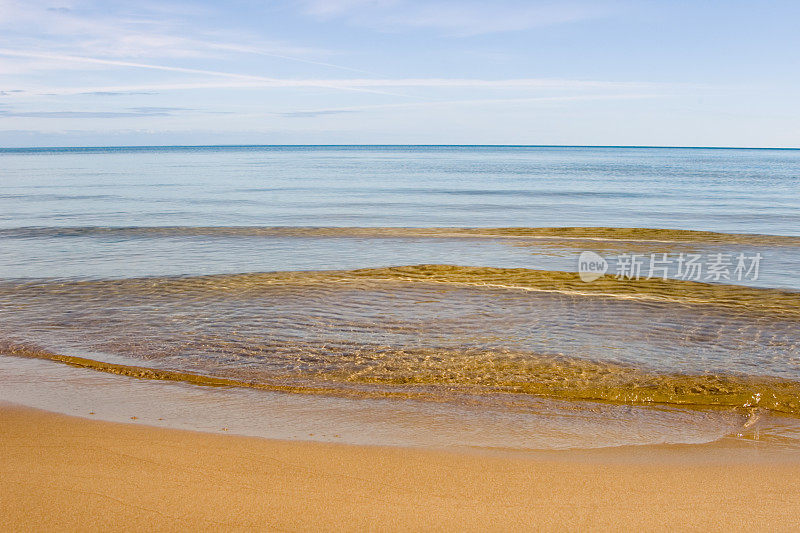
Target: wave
column 432, row 375
column 559, row 234
column 423, row 331
column 750, row 300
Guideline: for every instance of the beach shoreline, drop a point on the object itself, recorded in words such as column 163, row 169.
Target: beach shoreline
column 62, row 472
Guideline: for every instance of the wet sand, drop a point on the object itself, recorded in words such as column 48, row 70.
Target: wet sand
column 66, row 473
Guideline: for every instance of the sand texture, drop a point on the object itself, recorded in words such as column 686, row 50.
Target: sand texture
column 66, row 473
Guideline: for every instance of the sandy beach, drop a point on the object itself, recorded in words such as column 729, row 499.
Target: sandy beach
column 67, row 473
column 357, row 265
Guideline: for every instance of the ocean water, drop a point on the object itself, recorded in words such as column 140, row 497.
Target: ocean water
column 734, row 191
column 439, row 276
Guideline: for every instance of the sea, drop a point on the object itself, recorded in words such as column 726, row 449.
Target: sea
column 512, row 297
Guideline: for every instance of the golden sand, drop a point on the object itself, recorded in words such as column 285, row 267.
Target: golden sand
column 65, row 473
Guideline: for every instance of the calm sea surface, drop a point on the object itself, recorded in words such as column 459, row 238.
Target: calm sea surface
column 741, row 191
column 737, row 191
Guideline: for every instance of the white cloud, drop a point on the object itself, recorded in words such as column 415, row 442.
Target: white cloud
column 245, row 81
column 263, row 80
column 460, row 18
column 338, row 7
column 310, row 113
column 141, row 32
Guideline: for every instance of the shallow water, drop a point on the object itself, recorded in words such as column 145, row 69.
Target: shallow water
column 531, row 424
column 428, row 331
column 118, row 252
column 262, row 269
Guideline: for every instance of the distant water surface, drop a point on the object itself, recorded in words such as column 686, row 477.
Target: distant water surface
column 734, row 191
column 737, row 191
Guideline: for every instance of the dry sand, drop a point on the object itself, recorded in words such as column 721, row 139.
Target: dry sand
column 65, row 473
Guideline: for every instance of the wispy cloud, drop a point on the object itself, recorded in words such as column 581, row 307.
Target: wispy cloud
column 144, row 32
column 255, row 82
column 471, row 102
column 117, row 93
column 185, row 70
column 461, row 18
column 152, row 109
column 143, row 112
column 269, row 53
column 313, row 114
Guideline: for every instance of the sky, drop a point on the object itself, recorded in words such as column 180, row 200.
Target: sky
column 616, row 72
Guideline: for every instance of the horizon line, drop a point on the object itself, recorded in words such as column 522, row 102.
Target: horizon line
column 643, row 146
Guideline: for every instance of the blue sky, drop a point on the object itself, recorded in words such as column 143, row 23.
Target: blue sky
column 708, row 73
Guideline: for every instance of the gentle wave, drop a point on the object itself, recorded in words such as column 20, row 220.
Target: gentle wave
column 560, row 234
column 424, row 330
column 750, row 300
column 428, row 373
